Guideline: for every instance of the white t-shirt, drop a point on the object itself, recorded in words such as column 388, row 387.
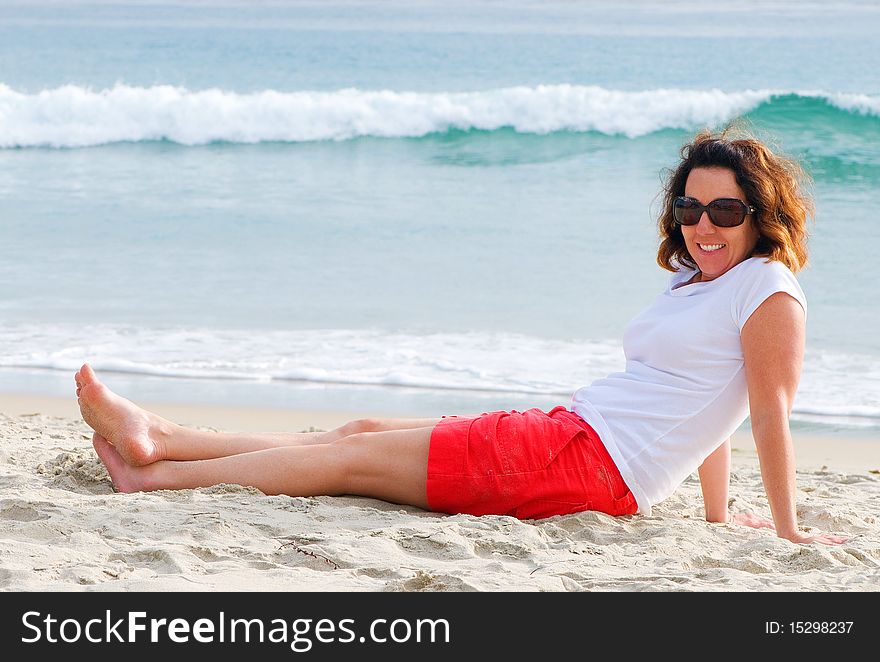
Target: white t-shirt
column 684, row 389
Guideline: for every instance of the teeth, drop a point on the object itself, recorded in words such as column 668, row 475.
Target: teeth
column 710, row 247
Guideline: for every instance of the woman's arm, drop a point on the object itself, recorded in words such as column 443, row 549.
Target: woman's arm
column 715, row 483
column 773, row 347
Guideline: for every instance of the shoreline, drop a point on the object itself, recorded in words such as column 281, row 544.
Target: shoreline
column 850, row 450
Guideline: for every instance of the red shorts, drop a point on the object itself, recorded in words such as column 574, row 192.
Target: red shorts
column 527, row 464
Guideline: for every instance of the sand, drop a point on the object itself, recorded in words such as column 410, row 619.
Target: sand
column 63, row 528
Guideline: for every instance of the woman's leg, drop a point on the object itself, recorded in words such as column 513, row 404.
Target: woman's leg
column 390, row 465
column 190, row 444
column 154, row 438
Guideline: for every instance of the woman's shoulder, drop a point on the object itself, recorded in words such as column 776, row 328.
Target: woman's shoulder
column 757, row 279
column 765, row 270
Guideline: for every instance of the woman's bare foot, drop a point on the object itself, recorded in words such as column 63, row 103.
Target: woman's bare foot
column 137, row 435
column 125, row 477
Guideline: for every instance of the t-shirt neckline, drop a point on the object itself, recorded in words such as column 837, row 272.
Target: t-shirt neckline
column 686, row 273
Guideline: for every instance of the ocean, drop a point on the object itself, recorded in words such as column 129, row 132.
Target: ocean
column 418, row 208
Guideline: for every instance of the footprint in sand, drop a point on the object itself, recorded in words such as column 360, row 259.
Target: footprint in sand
column 20, row 511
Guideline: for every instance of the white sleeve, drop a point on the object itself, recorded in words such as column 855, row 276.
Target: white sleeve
column 765, row 279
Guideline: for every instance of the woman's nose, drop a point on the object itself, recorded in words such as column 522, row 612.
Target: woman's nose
column 705, row 226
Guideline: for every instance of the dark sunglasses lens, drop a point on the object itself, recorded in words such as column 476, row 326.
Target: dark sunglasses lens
column 686, row 211
column 727, row 213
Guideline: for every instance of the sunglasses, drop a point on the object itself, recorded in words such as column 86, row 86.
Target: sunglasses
column 723, row 212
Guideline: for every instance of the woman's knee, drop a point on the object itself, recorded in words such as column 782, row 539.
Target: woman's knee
column 360, row 426
column 352, row 456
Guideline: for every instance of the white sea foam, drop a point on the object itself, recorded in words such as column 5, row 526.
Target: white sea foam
column 863, row 104
column 73, row 116
column 470, row 361
column 836, row 387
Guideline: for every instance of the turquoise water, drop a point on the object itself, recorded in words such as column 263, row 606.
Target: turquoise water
column 425, row 206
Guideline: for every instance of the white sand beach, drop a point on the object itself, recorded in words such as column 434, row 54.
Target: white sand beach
column 63, row 528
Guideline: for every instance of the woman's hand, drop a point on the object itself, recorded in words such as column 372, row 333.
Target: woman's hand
column 748, row 519
column 822, row 538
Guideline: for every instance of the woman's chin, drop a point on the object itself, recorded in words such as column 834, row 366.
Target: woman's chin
column 712, row 265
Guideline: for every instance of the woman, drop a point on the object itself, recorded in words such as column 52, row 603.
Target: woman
column 725, row 340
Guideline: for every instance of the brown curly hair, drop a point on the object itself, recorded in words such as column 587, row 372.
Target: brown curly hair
column 775, row 185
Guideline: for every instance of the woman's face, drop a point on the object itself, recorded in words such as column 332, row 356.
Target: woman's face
column 716, row 250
